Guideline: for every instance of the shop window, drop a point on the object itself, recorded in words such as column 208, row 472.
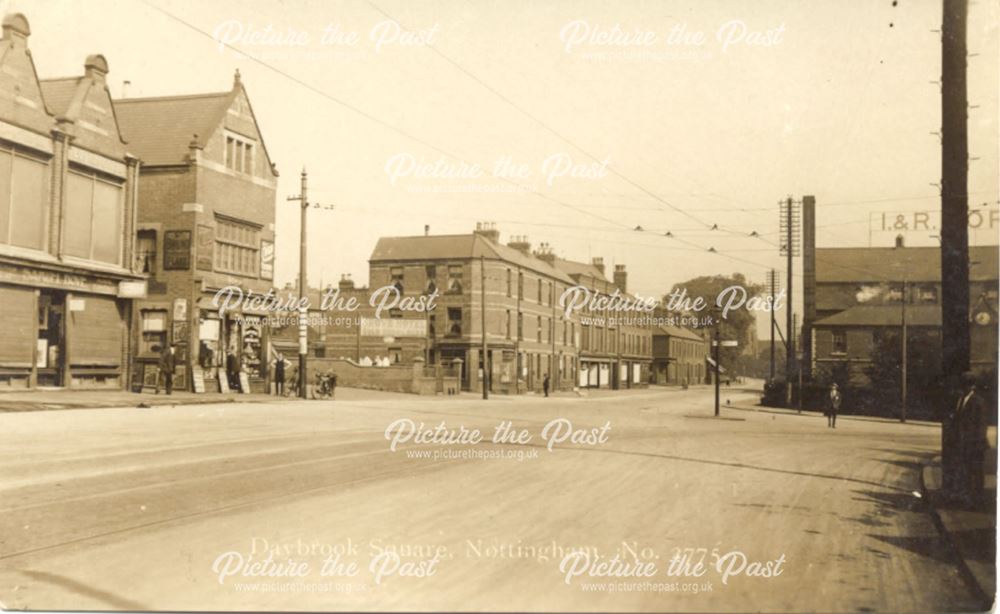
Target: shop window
column 145, row 248
column 237, row 244
column 839, row 342
column 454, row 321
column 154, row 330
column 93, row 228
column 455, row 279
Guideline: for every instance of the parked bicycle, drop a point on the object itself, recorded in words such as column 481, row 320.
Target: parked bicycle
column 326, row 384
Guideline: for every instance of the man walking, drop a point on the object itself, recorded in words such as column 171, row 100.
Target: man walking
column 233, row 370
column 832, row 406
column 970, row 418
column 545, row 385
column 168, row 363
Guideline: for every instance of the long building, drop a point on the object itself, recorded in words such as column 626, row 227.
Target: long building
column 67, row 219
column 528, row 334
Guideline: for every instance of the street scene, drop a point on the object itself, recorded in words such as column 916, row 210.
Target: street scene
column 444, row 306
column 141, row 525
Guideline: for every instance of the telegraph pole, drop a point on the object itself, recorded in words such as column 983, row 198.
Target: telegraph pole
column 789, row 224
column 954, row 222
column 303, row 199
column 902, row 413
column 482, row 297
column 772, row 278
column 715, row 350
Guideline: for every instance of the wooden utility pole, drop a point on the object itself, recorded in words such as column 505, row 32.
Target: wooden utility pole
column 954, row 223
column 902, row 412
column 303, row 199
column 772, row 279
column 482, row 298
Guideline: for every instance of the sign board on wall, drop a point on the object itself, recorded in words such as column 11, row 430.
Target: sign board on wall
column 176, row 250
column 393, row 327
column 266, row 259
column 884, row 226
column 204, row 248
column 132, row 289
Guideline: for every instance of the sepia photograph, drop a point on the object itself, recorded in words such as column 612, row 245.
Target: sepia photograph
column 479, row 306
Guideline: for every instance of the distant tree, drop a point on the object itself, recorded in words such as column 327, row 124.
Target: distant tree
column 737, row 323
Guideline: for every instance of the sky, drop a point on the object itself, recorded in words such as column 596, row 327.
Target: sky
column 569, row 122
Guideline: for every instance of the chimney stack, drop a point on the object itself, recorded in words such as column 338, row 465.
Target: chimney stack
column 900, row 241
column 346, row 283
column 598, row 263
column 521, row 244
column 427, row 230
column 488, row 230
column 545, row 253
column 621, row 277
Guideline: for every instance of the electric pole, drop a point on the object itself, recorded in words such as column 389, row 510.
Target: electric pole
column 789, row 225
column 954, row 223
column 715, row 350
column 902, row 413
column 772, row 281
column 482, row 297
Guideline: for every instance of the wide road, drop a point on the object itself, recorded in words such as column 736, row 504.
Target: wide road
column 179, row 508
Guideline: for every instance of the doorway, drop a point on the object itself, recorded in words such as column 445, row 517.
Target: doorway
column 50, row 359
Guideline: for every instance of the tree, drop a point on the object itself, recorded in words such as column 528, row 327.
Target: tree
column 738, row 321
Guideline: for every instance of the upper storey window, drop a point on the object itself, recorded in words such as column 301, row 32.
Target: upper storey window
column 239, row 153
column 23, row 199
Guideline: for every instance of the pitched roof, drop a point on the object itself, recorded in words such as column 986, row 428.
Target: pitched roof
column 861, row 264
column 885, row 315
column 458, row 247
column 571, row 267
column 677, row 331
column 160, row 130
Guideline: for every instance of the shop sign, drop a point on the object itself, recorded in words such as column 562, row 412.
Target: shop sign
column 177, row 250
column 132, row 289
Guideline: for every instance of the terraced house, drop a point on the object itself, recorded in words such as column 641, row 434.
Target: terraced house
column 205, row 222
column 67, row 217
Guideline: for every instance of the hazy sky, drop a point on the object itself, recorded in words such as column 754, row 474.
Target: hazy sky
column 831, row 98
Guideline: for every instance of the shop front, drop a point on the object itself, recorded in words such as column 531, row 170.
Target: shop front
column 231, row 343
column 64, row 329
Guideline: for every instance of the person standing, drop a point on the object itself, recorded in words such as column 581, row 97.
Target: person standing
column 545, row 385
column 233, row 370
column 832, row 406
column 970, row 417
column 168, row 363
column 279, row 375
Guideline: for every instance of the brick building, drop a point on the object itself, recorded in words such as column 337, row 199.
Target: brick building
column 862, row 293
column 527, row 335
column 679, row 356
column 67, row 214
column 205, row 221
column 615, row 347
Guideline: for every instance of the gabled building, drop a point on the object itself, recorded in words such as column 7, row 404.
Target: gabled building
column 67, row 220
column 205, row 222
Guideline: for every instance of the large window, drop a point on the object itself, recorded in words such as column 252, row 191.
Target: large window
column 23, row 202
column 236, row 246
column 93, row 218
column 454, row 321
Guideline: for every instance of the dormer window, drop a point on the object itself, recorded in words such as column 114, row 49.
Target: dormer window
column 239, row 154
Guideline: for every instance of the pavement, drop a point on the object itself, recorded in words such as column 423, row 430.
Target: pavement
column 216, row 507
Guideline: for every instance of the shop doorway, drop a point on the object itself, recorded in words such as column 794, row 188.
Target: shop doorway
column 50, row 357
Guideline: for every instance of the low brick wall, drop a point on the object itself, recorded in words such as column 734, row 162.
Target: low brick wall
column 411, row 379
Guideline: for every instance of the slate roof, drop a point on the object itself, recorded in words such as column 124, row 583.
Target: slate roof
column 458, row 247
column 571, row 267
column 916, row 264
column 885, row 315
column 160, row 130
